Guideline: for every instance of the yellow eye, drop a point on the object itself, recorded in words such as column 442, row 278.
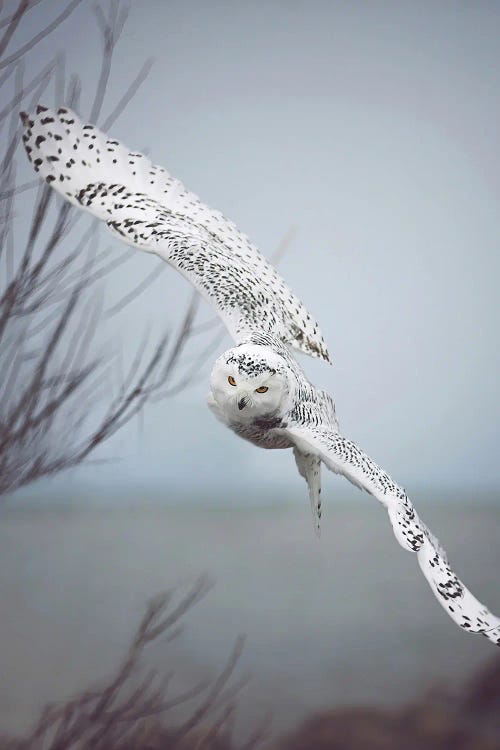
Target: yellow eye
column 262, row 389
column 231, row 380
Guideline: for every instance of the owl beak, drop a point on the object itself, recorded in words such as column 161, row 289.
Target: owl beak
column 242, row 402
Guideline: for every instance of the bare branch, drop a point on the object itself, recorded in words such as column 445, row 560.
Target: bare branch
column 138, row 290
column 48, row 316
column 39, row 81
column 13, row 24
column 284, row 245
column 115, row 715
column 54, row 412
column 129, row 94
column 18, row 189
column 111, row 29
column 41, row 35
column 6, row 21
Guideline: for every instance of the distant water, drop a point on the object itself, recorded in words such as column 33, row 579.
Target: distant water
column 347, row 619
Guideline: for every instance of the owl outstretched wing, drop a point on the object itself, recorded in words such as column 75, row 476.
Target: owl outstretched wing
column 344, row 457
column 148, row 208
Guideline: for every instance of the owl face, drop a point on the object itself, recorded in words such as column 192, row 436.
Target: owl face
column 249, row 382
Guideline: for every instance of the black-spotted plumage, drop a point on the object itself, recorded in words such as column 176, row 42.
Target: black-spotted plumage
column 309, row 425
column 148, row 208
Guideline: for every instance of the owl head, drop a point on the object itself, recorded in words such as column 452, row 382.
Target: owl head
column 251, row 382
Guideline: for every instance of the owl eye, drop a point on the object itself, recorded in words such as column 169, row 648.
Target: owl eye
column 262, row 389
column 231, row 380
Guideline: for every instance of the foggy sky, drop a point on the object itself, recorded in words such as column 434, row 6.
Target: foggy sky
column 372, row 128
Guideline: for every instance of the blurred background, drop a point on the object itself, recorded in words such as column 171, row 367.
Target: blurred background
column 364, row 138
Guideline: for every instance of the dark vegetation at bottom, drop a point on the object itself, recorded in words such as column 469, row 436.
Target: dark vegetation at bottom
column 139, row 710
column 466, row 719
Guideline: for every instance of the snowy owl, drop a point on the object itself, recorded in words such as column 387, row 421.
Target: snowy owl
column 257, row 388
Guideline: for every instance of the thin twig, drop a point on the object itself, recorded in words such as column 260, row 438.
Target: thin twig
column 13, row 24
column 41, row 35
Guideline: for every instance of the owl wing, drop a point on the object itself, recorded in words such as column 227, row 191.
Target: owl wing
column 320, row 410
column 309, row 467
column 148, row 208
column 344, row 457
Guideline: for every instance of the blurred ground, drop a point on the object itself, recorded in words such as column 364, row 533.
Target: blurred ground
column 460, row 718
column 343, row 621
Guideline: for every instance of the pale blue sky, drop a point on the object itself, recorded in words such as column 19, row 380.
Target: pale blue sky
column 372, row 127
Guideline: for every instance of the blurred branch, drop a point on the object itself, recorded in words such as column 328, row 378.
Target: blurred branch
column 22, row 91
column 25, row 48
column 141, row 287
column 111, row 27
column 12, row 24
column 53, row 412
column 284, row 245
column 31, row 4
column 133, row 710
column 128, row 95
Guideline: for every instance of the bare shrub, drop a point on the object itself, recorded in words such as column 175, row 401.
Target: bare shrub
column 134, row 709
column 49, row 302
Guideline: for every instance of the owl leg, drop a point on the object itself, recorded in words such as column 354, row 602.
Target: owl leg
column 309, row 467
